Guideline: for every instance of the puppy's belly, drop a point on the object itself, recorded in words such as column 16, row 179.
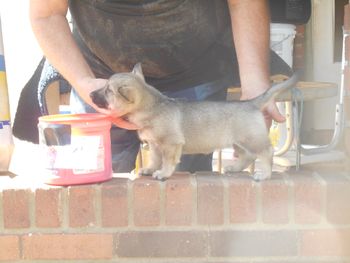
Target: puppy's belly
column 206, row 146
column 199, row 139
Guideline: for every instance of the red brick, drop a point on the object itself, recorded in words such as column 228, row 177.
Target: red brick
column 210, row 193
column 9, row 248
column 298, row 63
column 249, row 244
column 48, row 207
column 299, row 41
column 81, row 206
column 114, row 198
column 161, row 244
column 300, row 29
column 347, row 48
column 179, row 200
column 242, row 201
column 308, row 198
column 274, row 201
column 299, row 48
column 338, row 196
column 67, row 246
column 299, row 51
column 347, row 77
column 146, row 201
column 16, row 208
column 325, row 243
column 347, row 17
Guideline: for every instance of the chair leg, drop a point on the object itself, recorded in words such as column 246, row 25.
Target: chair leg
column 290, row 130
column 139, row 158
column 220, row 161
column 296, row 125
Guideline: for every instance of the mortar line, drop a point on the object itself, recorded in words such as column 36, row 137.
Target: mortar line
column 258, row 199
column 31, row 207
column 201, row 228
column 226, row 206
column 162, row 200
column 130, row 200
column 65, row 209
column 97, row 203
column 194, row 185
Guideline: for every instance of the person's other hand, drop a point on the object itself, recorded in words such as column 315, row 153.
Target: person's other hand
column 270, row 111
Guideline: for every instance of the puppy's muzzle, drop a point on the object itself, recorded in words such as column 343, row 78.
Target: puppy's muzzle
column 99, row 99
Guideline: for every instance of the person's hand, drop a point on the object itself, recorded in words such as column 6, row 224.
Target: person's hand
column 270, row 111
column 88, row 85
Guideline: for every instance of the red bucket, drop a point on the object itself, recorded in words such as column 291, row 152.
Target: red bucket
column 76, row 148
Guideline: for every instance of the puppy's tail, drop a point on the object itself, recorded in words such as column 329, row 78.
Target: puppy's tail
column 261, row 101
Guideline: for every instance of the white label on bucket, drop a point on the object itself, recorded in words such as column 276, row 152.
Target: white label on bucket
column 91, row 154
column 84, row 155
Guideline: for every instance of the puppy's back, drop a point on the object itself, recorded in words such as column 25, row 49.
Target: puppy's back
column 212, row 125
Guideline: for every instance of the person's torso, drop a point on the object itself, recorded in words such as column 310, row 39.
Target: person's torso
column 169, row 37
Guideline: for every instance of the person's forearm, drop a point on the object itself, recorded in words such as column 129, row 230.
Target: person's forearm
column 52, row 31
column 251, row 31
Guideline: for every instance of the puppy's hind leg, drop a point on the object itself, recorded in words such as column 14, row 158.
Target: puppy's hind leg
column 170, row 158
column 155, row 161
column 244, row 159
column 265, row 158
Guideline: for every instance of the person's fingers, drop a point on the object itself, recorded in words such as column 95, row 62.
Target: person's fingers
column 268, row 119
column 271, row 112
column 274, row 113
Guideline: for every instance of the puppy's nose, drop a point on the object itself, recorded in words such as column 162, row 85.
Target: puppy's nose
column 98, row 99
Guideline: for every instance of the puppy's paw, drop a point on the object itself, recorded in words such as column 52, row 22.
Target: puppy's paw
column 146, row 171
column 160, row 175
column 261, row 176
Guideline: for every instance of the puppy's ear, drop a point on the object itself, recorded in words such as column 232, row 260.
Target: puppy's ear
column 126, row 93
column 137, row 70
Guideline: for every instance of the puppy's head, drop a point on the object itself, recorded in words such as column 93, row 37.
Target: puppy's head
column 123, row 92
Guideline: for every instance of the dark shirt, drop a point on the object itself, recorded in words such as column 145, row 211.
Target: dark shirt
column 180, row 43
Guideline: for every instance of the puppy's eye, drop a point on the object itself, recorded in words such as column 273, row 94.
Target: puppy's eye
column 108, row 89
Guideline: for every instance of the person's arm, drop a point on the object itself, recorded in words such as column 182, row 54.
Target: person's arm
column 51, row 28
column 251, row 31
column 52, row 31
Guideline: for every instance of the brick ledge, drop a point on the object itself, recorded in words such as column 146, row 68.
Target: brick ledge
column 300, row 215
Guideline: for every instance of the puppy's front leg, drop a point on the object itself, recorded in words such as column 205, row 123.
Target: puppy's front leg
column 155, row 160
column 170, row 158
